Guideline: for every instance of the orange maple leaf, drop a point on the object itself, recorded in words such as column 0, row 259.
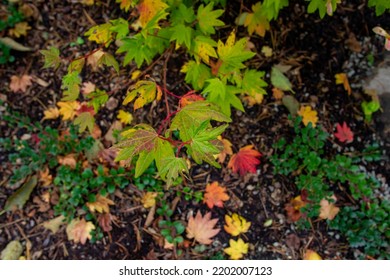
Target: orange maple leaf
column 105, row 221
column 293, row 208
column 148, row 9
column 342, row 79
column 45, row 177
column 79, row 230
column 215, row 195
column 202, row 228
column 189, row 98
column 227, row 149
column 245, row 160
column 311, row 255
column 20, row 83
column 69, row 160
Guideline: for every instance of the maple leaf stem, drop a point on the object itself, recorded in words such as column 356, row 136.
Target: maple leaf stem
column 163, row 123
column 181, row 146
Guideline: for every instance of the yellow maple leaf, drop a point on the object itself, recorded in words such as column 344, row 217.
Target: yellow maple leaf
column 255, row 98
column 311, row 255
column 79, row 230
column 101, row 34
column 237, row 249
column 101, row 205
column 88, row 2
column 51, row 113
column 124, row 117
column 308, row 115
column 342, row 79
column 68, row 109
column 149, row 199
column 148, row 9
column 328, row 210
column 227, row 149
column 256, row 21
column 236, row 224
column 147, row 92
column 20, row 29
column 125, row 4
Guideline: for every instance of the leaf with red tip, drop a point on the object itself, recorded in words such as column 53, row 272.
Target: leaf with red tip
column 344, row 133
column 245, row 161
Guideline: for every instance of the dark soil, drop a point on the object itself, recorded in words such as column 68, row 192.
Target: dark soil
column 315, row 49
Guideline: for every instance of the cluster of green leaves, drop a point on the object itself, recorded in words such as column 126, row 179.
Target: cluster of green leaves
column 320, row 173
column 12, row 17
column 381, row 6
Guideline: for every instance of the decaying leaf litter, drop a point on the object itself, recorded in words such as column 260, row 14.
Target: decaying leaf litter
column 257, row 198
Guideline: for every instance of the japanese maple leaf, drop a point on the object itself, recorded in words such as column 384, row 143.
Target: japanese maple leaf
column 245, row 160
column 293, row 208
column 328, row 210
column 202, row 228
column 227, row 149
column 236, row 224
column 215, row 195
column 20, row 83
column 344, row 133
column 237, row 249
column 79, row 230
column 101, row 204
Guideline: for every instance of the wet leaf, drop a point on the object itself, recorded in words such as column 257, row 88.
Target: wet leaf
column 79, row 230
column 215, row 195
column 20, row 196
column 246, row 160
column 236, row 224
column 202, row 228
column 237, row 249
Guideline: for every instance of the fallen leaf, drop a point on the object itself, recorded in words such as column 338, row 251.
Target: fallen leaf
column 277, row 93
column 94, row 60
column 12, row 251
column 96, row 132
column 344, row 133
column 79, row 230
column 45, row 177
column 279, row 80
column 255, row 98
column 227, row 149
column 237, row 249
column 292, row 104
column 293, row 208
column 87, row 88
column 21, row 195
column 267, row 51
column 101, row 205
column 149, row 199
column 328, row 210
column 51, row 113
column 342, row 79
column 215, row 195
column 69, row 160
column 20, row 83
column 246, row 160
column 236, row 224
column 20, row 29
column 202, row 228
column 68, row 109
column 54, row 224
column 311, row 255
column 105, row 221
column 12, row 44
column 116, row 126
column 308, row 115
column 124, row 117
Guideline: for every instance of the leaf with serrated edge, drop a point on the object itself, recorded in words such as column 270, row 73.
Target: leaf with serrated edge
column 202, row 228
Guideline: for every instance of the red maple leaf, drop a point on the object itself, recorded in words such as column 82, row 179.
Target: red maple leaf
column 246, row 160
column 344, row 133
column 85, row 108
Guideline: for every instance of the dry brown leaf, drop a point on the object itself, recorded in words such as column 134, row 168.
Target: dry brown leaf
column 93, row 59
column 69, row 160
column 101, row 205
column 105, row 221
column 20, row 83
column 202, row 228
column 328, row 210
column 45, row 177
column 79, row 230
column 88, row 87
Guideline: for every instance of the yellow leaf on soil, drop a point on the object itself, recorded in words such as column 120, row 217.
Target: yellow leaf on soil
column 342, row 79
column 79, row 230
column 45, row 177
column 227, row 149
column 237, row 249
column 124, row 117
column 20, row 29
column 311, row 255
column 236, row 224
column 51, row 113
column 149, row 199
column 308, row 115
column 54, row 224
column 101, row 205
column 68, row 109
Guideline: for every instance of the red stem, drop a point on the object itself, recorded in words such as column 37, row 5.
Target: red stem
column 165, row 121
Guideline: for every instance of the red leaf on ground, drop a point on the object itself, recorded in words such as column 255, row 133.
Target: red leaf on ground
column 246, row 160
column 344, row 133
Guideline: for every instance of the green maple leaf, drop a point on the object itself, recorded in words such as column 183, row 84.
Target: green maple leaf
column 171, row 168
column 76, row 65
column 147, row 92
column 203, row 145
column 71, row 83
column 145, row 159
column 271, row 8
column 253, row 83
column 208, row 19
column 136, row 49
column 121, row 27
column 182, row 14
column 98, row 99
column 196, row 74
column 193, row 115
column 215, row 90
column 321, row 6
column 109, row 60
column 85, row 120
column 380, row 6
column 153, row 23
column 233, row 55
column 182, row 34
column 52, row 57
